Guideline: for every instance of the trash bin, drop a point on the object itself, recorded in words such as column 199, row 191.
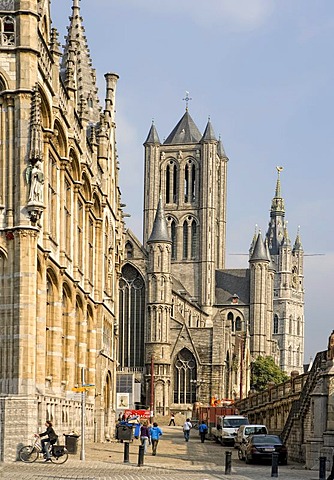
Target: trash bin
column 124, row 432
column 71, row 443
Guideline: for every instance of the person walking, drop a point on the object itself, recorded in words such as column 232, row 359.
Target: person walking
column 172, row 420
column 186, row 429
column 46, row 442
column 156, row 433
column 203, row 430
column 144, row 435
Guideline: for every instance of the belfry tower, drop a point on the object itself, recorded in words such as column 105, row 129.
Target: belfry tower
column 288, row 322
column 190, row 171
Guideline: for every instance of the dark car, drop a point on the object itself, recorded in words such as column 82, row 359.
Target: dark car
column 262, row 447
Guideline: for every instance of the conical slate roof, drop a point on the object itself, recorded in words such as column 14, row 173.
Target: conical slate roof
column 209, row 134
column 152, row 137
column 260, row 252
column 184, row 132
column 160, row 229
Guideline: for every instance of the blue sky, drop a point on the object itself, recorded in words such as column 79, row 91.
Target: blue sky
column 263, row 71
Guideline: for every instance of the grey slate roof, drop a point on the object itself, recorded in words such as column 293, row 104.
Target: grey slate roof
column 152, row 137
column 160, row 229
column 259, row 252
column 184, row 132
column 231, row 282
column 209, row 134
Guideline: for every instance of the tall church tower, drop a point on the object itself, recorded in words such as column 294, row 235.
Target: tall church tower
column 288, row 321
column 190, row 170
column 159, row 306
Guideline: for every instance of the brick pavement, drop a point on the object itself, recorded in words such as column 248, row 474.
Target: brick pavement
column 176, row 460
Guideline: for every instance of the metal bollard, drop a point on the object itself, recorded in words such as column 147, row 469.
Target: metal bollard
column 274, row 465
column 322, row 468
column 141, row 455
column 126, row 452
column 228, row 463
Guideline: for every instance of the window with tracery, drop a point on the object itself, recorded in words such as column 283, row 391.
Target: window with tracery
column 7, row 28
column 131, row 317
column 185, row 375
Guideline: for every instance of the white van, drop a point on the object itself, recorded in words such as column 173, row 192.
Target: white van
column 245, row 430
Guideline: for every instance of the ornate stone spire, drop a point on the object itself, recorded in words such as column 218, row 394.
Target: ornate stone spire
column 76, row 67
column 275, row 234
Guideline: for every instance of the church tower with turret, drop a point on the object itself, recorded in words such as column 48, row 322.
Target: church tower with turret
column 189, row 169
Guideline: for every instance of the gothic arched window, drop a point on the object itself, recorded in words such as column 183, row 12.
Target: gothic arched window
column 230, row 317
column 185, row 239
column 238, row 324
column 171, row 181
column 131, row 317
column 275, row 326
column 194, row 242
column 189, row 182
column 184, row 375
column 128, row 250
column 173, row 237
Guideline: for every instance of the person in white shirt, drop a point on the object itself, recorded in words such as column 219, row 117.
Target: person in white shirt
column 186, row 429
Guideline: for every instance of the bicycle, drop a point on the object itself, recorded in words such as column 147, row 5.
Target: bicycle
column 30, row 453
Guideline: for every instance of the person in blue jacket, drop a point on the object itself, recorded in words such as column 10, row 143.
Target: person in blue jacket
column 203, row 430
column 156, row 433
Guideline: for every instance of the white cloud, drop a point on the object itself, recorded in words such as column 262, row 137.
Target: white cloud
column 230, row 14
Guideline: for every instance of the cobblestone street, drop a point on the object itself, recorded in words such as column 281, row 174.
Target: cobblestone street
column 175, row 460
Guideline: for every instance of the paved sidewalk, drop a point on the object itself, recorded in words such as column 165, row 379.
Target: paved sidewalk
column 175, row 460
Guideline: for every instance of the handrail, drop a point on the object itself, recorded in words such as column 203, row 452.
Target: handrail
column 300, row 405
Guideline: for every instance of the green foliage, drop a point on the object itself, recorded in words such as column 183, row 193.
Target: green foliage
column 264, row 370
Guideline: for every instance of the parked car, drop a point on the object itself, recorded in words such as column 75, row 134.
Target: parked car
column 245, row 430
column 261, row 447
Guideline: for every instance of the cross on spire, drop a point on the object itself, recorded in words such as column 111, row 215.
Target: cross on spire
column 187, row 100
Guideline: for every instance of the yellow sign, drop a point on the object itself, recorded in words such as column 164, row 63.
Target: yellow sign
column 82, row 389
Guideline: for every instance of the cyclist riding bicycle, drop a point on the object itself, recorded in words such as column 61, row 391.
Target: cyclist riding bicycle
column 51, row 440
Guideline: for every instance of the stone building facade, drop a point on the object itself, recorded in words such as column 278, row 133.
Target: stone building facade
column 199, row 324
column 61, row 229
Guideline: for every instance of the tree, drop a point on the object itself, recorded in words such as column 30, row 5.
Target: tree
column 265, row 370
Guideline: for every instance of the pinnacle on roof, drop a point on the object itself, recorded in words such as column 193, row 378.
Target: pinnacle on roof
column 76, row 67
column 220, row 149
column 209, row 134
column 298, row 244
column 259, row 252
column 277, row 204
column 160, row 229
column 286, row 238
column 185, row 132
column 275, row 233
column 152, row 137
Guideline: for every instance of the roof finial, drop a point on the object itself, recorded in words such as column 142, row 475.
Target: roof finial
column 187, row 100
column 278, row 184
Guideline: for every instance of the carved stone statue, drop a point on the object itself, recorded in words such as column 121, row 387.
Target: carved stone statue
column 36, row 177
column 330, row 350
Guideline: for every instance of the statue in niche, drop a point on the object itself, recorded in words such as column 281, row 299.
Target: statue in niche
column 35, row 177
